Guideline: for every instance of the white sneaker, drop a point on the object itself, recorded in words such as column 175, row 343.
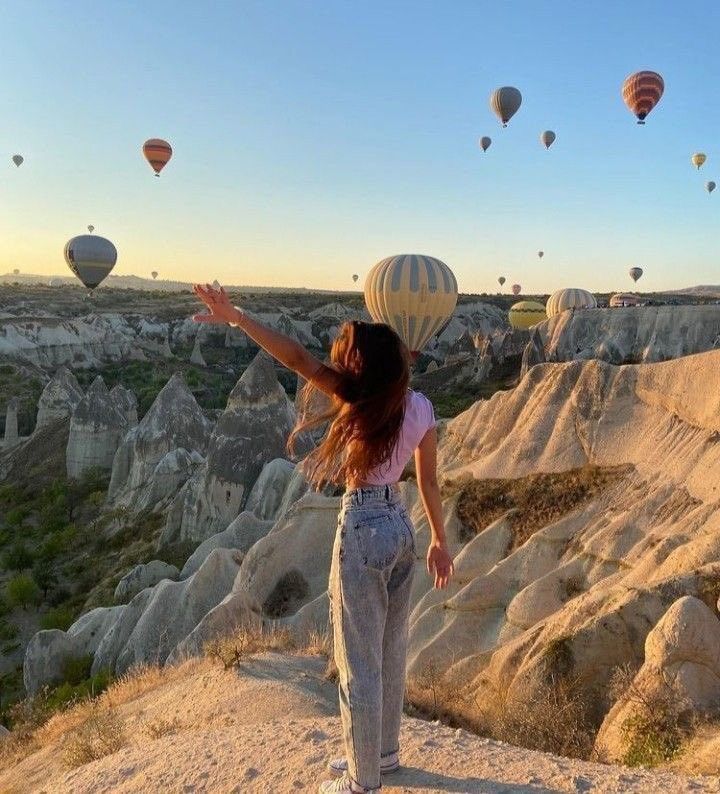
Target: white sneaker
column 343, row 785
column 388, row 765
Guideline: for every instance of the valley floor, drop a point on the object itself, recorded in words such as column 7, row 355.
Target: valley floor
column 270, row 727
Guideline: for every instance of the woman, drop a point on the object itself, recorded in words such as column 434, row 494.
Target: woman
column 375, row 423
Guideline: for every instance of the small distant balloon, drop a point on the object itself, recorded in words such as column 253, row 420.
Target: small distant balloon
column 154, row 274
column 501, row 280
column 158, row 153
column 91, row 258
column 505, row 103
column 516, row 289
column 16, row 271
column 355, row 277
column 18, row 159
column 641, row 91
column 91, row 228
column 710, row 186
column 547, row 138
column 698, row 159
column 541, row 254
column 635, row 273
column 485, row 142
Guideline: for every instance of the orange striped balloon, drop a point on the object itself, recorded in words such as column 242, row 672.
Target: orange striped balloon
column 641, row 92
column 158, row 153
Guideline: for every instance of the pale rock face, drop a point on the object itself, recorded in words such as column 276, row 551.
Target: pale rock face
column 534, row 352
column 126, row 402
column 59, row 398
column 11, row 423
column 96, row 430
column 432, row 366
column 252, row 431
column 142, row 576
column 241, row 535
column 196, row 357
column 682, row 664
column 632, row 334
column 267, row 493
column 162, row 452
column 118, row 633
column 46, row 655
column 89, row 629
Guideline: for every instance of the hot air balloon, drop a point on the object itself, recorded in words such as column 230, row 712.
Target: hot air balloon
column 158, row 153
column 355, row 277
column 541, row 254
column 91, row 228
column 505, row 102
column 16, row 271
column 154, row 274
column 18, row 159
column 635, row 273
column 547, row 138
column 698, row 159
column 414, row 294
column 485, row 142
column 641, row 92
column 710, row 186
column 501, row 280
column 516, row 289
column 525, row 314
column 90, row 258
column 569, row 299
column 624, row 299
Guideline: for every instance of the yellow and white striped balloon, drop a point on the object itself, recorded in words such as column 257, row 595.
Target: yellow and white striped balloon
column 414, row 294
column 569, row 299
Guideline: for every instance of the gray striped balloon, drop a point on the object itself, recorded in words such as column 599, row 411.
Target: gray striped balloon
column 569, row 299
column 414, row 294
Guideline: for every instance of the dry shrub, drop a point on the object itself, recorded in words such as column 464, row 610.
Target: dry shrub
column 101, row 734
column 318, row 644
column 535, row 501
column 245, row 642
column 160, row 727
column 432, row 696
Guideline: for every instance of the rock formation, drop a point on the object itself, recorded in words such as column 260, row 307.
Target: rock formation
column 11, row 424
column 141, row 576
column 252, row 431
column 158, row 456
column 59, row 398
column 267, row 493
column 126, row 402
column 96, row 429
column 196, row 357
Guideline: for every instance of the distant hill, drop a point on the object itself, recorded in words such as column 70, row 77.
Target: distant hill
column 701, row 289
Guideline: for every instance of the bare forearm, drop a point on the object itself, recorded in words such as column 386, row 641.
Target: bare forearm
column 430, row 495
column 287, row 351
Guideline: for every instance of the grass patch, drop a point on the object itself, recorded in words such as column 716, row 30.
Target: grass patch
column 534, row 501
column 101, row 734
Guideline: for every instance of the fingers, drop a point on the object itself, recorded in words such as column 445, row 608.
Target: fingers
column 207, row 318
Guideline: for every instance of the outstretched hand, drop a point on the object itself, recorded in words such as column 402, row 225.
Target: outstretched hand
column 440, row 564
column 217, row 301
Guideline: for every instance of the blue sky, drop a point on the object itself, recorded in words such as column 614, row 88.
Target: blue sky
column 312, row 139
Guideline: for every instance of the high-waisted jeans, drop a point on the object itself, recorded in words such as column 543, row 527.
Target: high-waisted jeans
column 371, row 576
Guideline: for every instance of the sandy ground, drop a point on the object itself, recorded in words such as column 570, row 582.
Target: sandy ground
column 271, row 728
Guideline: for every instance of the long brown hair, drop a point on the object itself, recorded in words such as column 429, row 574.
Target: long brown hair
column 366, row 414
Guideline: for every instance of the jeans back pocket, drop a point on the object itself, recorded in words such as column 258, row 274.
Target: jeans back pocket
column 379, row 540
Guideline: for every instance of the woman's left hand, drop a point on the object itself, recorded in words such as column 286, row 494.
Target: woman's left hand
column 217, row 301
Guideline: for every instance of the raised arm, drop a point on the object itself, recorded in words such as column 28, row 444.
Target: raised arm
column 439, row 561
column 287, row 351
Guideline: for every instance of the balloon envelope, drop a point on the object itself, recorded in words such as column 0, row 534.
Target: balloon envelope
column 154, row 274
column 525, row 314
column 91, row 258
column 641, row 91
column 158, row 153
column 698, row 159
column 501, row 280
column 16, row 271
column 541, row 254
column 91, row 228
column 505, row 103
column 18, row 159
column 624, row 299
column 569, row 299
column 485, row 143
column 414, row 294
column 547, row 138
column 516, row 289
column 355, row 277
column 710, row 186
column 635, row 273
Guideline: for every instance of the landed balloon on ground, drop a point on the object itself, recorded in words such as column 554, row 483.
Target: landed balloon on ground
column 158, row 153
column 635, row 273
column 698, row 159
column 516, row 289
column 569, row 299
column 710, row 186
column 505, row 103
column 501, row 280
column 547, row 138
column 91, row 258
column 414, row 294
column 18, row 159
column 484, row 143
column 624, row 299
column 525, row 314
column 641, row 91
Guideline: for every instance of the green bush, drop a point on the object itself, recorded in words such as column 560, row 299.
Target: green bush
column 8, row 631
column 45, row 575
column 75, row 671
column 22, row 591
column 17, row 558
column 68, row 693
column 61, row 617
column 16, row 516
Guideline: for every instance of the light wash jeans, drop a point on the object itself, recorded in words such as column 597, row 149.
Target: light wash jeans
column 371, row 575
